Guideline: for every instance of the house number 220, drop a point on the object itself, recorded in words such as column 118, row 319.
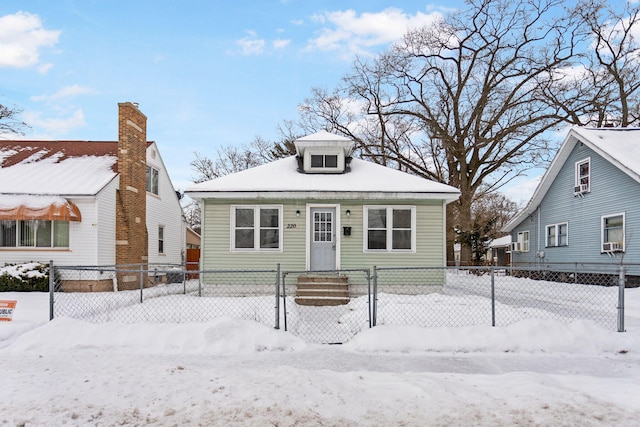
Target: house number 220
column 292, row 225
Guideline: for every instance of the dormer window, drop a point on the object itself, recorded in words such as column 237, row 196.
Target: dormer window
column 324, row 161
column 323, row 152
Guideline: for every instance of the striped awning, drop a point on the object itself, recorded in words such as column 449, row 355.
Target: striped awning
column 36, row 207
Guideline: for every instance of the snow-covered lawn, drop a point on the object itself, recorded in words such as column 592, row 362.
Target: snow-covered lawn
column 225, row 371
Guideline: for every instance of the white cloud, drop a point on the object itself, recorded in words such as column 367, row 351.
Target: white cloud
column 21, row 38
column 355, row 34
column 55, row 126
column 65, row 92
column 251, row 45
column 281, row 44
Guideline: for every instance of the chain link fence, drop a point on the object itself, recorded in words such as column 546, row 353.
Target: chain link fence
column 333, row 306
column 328, row 307
column 468, row 296
column 165, row 294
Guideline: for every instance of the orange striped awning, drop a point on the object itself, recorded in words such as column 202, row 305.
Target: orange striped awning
column 59, row 210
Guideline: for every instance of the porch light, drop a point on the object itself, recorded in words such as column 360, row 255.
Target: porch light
column 348, row 212
column 298, row 212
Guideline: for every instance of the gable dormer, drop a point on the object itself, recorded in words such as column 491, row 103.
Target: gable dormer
column 323, row 152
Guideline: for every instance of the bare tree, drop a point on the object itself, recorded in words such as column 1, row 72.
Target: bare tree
column 464, row 101
column 9, row 122
column 230, row 159
column 612, row 65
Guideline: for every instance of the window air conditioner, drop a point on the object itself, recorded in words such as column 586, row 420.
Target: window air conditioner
column 580, row 189
column 611, row 247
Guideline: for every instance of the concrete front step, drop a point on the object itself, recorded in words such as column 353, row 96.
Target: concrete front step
column 321, row 301
column 322, row 290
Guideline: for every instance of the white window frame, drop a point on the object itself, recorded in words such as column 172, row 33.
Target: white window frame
column 603, row 218
column 256, row 228
column 389, row 228
column 556, row 228
column 524, row 243
column 340, row 166
column 149, row 182
column 18, row 237
column 161, row 240
column 578, row 179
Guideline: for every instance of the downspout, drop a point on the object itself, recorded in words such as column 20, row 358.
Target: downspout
column 539, row 237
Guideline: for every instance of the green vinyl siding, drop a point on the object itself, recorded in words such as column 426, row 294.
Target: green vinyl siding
column 217, row 253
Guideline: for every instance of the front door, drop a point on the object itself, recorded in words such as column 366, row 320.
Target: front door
column 323, row 239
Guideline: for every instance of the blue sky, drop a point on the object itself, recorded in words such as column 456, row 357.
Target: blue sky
column 206, row 73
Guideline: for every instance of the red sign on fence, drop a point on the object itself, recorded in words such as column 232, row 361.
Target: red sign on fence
column 6, row 310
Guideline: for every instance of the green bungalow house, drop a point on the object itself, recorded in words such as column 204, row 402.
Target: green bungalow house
column 322, row 210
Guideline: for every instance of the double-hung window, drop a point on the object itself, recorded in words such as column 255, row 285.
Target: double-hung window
column 583, row 176
column 557, row 235
column 152, row 180
column 523, row 241
column 613, row 232
column 390, row 229
column 34, row 234
column 256, row 228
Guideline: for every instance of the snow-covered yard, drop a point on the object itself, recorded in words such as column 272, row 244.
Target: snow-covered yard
column 225, row 371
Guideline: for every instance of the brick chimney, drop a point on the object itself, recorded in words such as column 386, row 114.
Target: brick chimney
column 131, row 204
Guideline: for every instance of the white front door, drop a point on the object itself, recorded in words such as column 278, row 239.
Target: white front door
column 323, row 239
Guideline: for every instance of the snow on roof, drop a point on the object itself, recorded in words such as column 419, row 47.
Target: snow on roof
column 281, row 176
column 324, row 136
column 500, row 242
column 619, row 146
column 56, row 167
column 32, row 201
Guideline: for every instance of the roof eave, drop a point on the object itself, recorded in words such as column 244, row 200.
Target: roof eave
column 317, row 195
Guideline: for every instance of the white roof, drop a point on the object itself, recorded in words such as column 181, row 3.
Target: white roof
column 619, row 146
column 281, row 179
column 500, row 242
column 85, row 175
column 324, row 136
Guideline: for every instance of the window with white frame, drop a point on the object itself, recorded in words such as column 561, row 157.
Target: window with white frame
column 523, row 241
column 34, row 234
column 389, row 228
column 583, row 175
column 256, row 228
column 613, row 231
column 152, row 180
column 557, row 235
column 324, row 161
column 161, row 239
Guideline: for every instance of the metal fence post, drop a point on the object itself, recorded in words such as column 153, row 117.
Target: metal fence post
column 52, row 285
column 284, row 299
column 621, row 280
column 375, row 295
column 141, row 283
column 368, row 272
column 493, row 298
column 277, row 325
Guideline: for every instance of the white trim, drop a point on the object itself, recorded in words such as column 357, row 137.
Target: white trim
column 521, row 242
column 323, row 195
column 389, row 228
column 256, row 226
column 624, row 230
column 577, row 177
column 309, row 232
column 338, row 152
column 557, row 235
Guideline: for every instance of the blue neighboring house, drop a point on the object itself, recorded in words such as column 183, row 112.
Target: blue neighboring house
column 586, row 208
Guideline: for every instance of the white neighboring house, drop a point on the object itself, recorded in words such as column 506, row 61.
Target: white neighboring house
column 86, row 203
